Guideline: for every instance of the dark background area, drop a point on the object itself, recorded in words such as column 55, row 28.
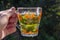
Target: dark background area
column 50, row 22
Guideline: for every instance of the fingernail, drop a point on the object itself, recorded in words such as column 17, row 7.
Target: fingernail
column 13, row 8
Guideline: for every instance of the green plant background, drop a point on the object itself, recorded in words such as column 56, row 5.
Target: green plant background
column 50, row 22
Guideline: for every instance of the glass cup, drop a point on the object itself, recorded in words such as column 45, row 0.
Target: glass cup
column 29, row 20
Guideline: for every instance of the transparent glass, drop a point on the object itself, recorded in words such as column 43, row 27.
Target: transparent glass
column 29, row 20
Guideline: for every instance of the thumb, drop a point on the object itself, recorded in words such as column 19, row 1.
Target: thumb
column 5, row 17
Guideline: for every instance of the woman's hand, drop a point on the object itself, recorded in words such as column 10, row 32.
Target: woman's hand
column 8, row 20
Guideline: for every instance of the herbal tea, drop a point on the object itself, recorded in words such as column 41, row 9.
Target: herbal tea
column 29, row 22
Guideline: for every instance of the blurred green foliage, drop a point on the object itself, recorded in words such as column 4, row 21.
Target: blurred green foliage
column 50, row 22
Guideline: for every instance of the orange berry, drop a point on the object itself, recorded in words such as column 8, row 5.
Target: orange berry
column 27, row 16
column 40, row 14
column 39, row 17
column 32, row 15
column 24, row 31
column 36, row 31
column 20, row 17
column 29, row 32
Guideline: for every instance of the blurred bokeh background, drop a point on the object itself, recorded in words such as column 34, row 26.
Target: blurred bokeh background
column 50, row 22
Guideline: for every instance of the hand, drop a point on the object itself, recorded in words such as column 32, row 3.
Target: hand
column 8, row 20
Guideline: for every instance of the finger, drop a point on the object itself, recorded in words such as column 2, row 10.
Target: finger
column 8, row 12
column 12, row 20
column 3, row 22
column 11, row 11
